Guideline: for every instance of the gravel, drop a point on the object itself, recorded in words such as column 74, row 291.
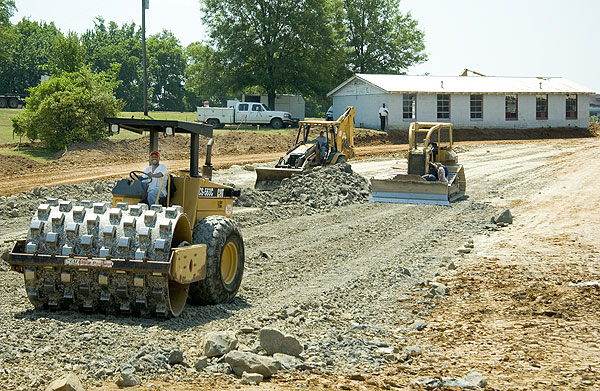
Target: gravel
column 324, row 266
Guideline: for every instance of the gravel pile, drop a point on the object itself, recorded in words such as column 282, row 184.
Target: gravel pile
column 321, row 190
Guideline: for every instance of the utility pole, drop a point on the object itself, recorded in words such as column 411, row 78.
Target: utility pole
column 145, row 6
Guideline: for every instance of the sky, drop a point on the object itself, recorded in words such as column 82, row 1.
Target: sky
column 551, row 38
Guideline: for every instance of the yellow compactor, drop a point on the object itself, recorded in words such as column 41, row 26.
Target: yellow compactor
column 306, row 153
column 128, row 257
column 404, row 182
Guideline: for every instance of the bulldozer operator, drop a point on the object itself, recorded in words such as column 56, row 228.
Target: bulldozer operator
column 156, row 173
column 321, row 142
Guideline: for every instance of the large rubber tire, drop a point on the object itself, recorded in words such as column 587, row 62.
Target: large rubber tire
column 213, row 121
column 224, row 261
column 3, row 103
column 276, row 123
column 13, row 103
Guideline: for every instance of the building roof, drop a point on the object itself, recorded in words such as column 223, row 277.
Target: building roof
column 468, row 84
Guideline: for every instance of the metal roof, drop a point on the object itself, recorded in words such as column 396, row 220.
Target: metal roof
column 468, row 84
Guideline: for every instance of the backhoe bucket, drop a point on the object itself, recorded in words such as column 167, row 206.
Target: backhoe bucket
column 402, row 188
column 269, row 178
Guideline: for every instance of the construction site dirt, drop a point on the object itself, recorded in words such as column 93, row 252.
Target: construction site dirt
column 378, row 295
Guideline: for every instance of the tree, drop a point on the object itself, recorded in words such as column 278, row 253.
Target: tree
column 68, row 55
column 276, row 45
column 166, row 68
column 381, row 39
column 29, row 50
column 119, row 50
column 68, row 108
column 203, row 79
column 7, row 9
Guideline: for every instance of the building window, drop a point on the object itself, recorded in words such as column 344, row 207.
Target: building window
column 443, row 106
column 511, row 107
column 476, row 106
column 409, row 106
column 571, row 106
column 541, row 107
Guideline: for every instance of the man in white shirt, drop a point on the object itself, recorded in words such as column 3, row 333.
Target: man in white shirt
column 158, row 176
column 383, row 114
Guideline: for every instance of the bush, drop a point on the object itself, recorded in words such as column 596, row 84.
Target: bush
column 68, row 108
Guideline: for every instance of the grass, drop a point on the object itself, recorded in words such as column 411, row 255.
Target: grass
column 6, row 116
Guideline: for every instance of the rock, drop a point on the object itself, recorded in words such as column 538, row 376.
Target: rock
column 127, row 378
column 219, row 343
column 4, row 253
column 418, row 325
column 426, row 382
column 388, row 353
column 463, row 250
column 274, row 341
column 251, row 378
column 286, row 361
column 175, row 357
column 69, row 382
column 406, row 272
column 201, row 363
column 249, row 167
column 265, row 255
column 504, row 217
column 473, row 380
column 247, row 329
column 250, row 362
column 451, row 266
column 219, row 368
column 437, row 289
column 412, row 351
column 357, row 377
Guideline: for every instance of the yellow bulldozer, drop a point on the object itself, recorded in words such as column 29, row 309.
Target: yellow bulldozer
column 129, row 257
column 337, row 146
column 404, row 183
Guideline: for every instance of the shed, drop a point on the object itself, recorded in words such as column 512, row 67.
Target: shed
column 468, row 102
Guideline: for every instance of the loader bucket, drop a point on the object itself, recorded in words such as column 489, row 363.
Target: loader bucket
column 269, row 178
column 412, row 189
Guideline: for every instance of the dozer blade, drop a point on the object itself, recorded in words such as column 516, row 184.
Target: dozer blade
column 412, row 189
column 269, row 178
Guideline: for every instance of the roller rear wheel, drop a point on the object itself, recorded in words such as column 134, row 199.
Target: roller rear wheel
column 224, row 261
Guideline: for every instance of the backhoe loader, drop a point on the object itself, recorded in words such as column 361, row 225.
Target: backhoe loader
column 128, row 257
column 308, row 153
column 404, row 183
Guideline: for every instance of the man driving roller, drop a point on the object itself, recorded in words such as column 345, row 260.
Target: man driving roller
column 158, row 174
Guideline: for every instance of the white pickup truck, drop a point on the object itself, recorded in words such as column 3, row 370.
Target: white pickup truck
column 243, row 113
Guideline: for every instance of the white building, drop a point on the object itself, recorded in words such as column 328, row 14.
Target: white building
column 466, row 101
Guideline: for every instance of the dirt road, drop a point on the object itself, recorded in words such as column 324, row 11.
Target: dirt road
column 354, row 279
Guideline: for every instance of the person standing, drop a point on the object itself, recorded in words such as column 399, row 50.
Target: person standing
column 383, row 115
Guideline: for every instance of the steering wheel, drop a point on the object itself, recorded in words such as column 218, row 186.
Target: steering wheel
column 137, row 176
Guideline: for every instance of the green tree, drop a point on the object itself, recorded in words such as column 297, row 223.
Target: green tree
column 7, row 9
column 30, row 49
column 277, row 45
column 68, row 108
column 203, row 79
column 68, row 55
column 118, row 49
column 166, row 69
column 381, row 39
